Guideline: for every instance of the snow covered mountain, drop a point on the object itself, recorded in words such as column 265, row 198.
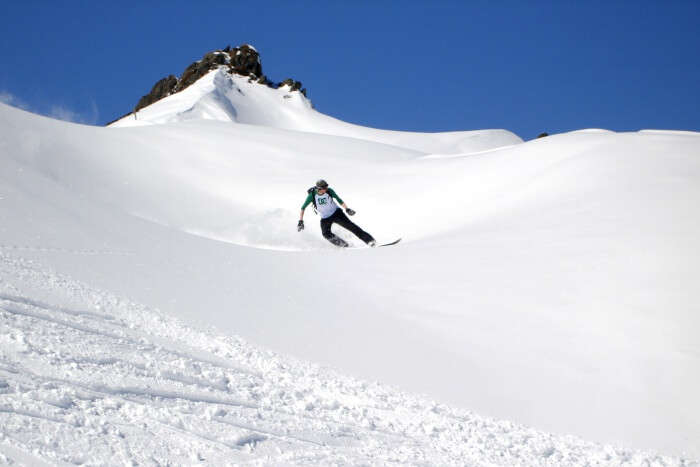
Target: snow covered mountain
column 159, row 306
column 226, row 97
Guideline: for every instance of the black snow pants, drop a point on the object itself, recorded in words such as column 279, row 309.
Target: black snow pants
column 341, row 219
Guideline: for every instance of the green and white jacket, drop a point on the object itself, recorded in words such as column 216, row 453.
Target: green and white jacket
column 324, row 203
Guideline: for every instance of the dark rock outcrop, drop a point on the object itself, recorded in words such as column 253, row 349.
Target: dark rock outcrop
column 295, row 85
column 243, row 60
column 542, row 135
column 161, row 89
column 198, row 69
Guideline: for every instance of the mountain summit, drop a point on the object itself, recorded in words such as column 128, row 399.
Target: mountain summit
column 229, row 86
column 242, row 61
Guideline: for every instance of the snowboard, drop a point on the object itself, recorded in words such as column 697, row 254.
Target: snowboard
column 390, row 243
column 337, row 241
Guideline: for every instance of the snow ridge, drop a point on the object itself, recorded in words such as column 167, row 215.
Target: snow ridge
column 231, row 98
column 87, row 376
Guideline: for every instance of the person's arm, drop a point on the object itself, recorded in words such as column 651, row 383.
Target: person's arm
column 306, row 203
column 332, row 192
column 342, row 203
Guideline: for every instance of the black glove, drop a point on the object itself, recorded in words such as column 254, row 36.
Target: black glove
column 300, row 226
column 350, row 212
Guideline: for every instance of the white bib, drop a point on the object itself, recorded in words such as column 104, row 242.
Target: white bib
column 325, row 205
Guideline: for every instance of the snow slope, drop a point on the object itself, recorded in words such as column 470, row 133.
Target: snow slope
column 232, row 98
column 90, row 378
column 550, row 283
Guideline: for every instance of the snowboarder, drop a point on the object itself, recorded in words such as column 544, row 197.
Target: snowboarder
column 322, row 198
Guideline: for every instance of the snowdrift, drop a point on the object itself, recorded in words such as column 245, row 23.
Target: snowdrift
column 551, row 283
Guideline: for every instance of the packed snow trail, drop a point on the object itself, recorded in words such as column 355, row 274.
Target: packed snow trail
column 90, row 378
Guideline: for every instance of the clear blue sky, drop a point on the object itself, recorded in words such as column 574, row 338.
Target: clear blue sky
column 414, row 65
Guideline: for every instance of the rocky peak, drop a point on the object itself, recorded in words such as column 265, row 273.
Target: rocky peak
column 243, row 61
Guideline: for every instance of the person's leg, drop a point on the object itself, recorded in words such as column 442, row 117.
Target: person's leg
column 343, row 220
column 330, row 236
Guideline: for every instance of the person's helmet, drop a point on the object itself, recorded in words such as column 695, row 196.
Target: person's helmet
column 321, row 184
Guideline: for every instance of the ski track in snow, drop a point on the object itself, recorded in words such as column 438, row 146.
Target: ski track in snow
column 89, row 378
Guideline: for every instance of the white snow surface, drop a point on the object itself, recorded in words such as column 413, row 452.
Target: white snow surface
column 90, row 378
column 158, row 305
column 233, row 98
